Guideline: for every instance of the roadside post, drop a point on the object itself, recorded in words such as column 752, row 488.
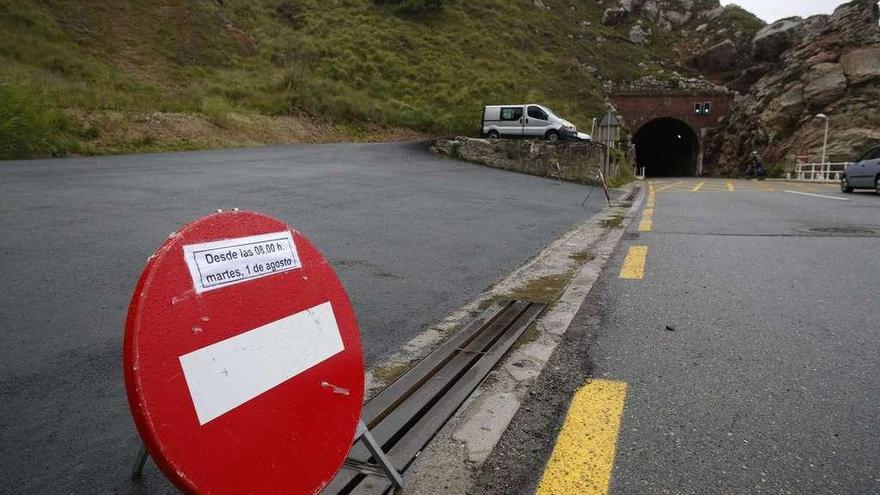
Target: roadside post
column 609, row 133
column 243, row 361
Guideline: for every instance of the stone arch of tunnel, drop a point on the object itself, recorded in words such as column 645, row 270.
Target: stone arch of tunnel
column 667, row 147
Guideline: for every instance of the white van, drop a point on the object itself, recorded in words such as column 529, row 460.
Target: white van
column 528, row 120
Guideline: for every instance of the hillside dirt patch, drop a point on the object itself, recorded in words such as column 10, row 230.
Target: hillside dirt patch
column 108, row 132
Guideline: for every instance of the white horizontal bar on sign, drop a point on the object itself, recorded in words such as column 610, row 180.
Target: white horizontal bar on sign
column 229, row 373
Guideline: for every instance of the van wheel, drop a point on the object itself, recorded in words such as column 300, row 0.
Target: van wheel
column 844, row 185
column 492, row 134
column 552, row 136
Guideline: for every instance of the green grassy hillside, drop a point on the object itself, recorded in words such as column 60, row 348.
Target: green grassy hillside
column 85, row 70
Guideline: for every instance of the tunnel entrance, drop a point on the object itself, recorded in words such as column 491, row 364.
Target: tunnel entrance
column 667, row 147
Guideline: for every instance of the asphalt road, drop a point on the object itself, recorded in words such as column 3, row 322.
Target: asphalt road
column 749, row 349
column 412, row 236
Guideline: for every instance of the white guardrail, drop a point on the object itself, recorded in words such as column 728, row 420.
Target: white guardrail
column 818, row 172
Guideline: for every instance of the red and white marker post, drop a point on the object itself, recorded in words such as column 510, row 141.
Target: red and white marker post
column 243, row 361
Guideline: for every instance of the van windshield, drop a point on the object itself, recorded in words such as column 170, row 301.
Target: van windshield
column 551, row 112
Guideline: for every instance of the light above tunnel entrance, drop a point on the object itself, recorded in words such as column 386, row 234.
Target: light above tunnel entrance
column 667, row 147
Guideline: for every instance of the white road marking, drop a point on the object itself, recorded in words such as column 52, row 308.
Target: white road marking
column 226, row 374
column 816, row 195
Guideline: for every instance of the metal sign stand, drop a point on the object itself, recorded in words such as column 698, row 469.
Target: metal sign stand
column 605, row 188
column 558, row 173
column 590, row 193
column 362, row 433
column 137, row 471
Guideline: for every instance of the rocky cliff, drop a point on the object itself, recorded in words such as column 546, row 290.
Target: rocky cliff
column 708, row 38
column 828, row 64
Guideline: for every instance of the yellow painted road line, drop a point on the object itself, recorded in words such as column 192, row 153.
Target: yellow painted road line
column 634, row 264
column 583, row 458
column 698, row 186
column 730, row 186
column 667, row 186
column 645, row 225
column 648, row 213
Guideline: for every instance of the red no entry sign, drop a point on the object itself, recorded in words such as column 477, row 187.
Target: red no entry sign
column 243, row 361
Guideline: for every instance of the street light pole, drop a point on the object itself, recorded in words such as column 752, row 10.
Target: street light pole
column 826, row 170
column 825, row 141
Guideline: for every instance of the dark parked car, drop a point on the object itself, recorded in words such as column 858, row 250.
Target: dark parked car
column 863, row 174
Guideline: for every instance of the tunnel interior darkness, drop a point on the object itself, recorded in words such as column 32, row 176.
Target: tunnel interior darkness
column 667, row 147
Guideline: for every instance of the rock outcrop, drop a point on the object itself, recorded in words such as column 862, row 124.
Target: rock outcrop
column 825, row 83
column 613, row 17
column 822, row 64
column 861, row 65
column 712, row 38
column 772, row 40
column 639, row 35
column 718, row 57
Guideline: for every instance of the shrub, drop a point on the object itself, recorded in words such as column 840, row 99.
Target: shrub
column 776, row 171
column 29, row 127
column 412, row 6
column 292, row 12
column 218, row 111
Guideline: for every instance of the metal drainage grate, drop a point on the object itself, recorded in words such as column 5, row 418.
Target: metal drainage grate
column 632, row 193
column 408, row 413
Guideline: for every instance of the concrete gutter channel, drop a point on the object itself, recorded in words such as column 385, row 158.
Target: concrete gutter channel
column 561, row 275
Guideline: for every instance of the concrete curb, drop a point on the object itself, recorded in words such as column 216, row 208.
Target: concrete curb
column 449, row 463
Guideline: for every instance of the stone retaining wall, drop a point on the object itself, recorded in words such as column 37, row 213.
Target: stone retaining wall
column 577, row 162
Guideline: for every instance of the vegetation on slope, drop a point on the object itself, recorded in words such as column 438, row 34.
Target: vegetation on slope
column 354, row 63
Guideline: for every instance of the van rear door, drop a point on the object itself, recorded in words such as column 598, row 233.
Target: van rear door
column 511, row 123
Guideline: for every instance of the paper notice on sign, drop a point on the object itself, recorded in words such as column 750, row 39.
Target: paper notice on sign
column 231, row 261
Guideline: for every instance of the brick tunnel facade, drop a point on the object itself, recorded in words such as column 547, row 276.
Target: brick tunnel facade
column 668, row 128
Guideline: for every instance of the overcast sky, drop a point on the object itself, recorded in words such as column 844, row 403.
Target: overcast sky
column 772, row 10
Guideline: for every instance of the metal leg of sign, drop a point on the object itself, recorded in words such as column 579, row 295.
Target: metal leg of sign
column 137, row 471
column 373, row 446
column 591, row 192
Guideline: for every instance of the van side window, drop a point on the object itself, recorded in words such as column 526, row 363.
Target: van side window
column 511, row 113
column 537, row 113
